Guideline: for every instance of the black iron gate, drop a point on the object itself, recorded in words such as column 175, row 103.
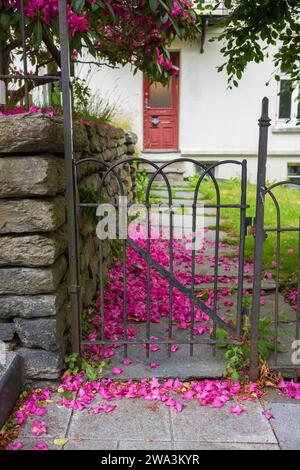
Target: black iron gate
column 168, row 273
column 285, row 356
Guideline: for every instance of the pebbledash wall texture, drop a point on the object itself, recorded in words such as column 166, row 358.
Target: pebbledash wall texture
column 34, row 304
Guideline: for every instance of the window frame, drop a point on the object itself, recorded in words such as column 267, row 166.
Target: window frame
column 295, row 103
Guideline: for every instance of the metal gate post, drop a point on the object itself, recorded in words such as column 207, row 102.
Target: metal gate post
column 264, row 123
column 74, row 288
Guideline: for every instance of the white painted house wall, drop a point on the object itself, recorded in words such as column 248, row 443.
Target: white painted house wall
column 215, row 123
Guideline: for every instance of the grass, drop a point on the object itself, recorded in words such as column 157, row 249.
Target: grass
column 289, row 200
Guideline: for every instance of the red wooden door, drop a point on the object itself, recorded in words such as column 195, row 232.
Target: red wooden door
column 161, row 105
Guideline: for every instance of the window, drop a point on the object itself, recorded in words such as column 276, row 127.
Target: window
column 288, row 102
column 160, row 96
column 294, row 172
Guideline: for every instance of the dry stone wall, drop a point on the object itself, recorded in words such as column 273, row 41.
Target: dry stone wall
column 34, row 304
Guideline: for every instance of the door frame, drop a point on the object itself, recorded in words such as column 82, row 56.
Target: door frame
column 178, row 78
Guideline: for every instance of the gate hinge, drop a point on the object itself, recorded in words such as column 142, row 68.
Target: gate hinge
column 73, row 289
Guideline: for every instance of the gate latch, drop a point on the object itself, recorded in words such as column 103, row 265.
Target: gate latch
column 251, row 227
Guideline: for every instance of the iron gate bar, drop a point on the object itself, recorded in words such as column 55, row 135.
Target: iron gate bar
column 30, row 77
column 107, row 169
column 298, row 293
column 264, row 124
column 278, row 258
column 279, row 230
column 74, row 272
column 186, row 291
column 23, row 26
column 160, row 171
column 166, row 341
column 209, row 173
column 243, row 207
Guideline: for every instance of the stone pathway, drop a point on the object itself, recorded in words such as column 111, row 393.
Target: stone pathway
column 145, row 425
column 137, row 424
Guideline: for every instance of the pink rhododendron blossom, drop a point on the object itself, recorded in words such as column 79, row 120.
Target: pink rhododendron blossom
column 21, row 416
column 237, row 410
column 127, row 362
column 104, row 409
column 39, row 428
column 15, row 446
column 41, row 446
column 154, row 365
column 290, row 389
column 268, row 415
column 117, row 371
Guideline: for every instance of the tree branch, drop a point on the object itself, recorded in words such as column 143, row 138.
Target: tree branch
column 93, row 62
column 17, row 95
column 51, row 47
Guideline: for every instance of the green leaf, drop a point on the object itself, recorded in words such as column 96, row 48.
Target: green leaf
column 37, row 35
column 66, row 394
column 60, row 442
column 78, row 5
column 153, row 5
column 235, row 375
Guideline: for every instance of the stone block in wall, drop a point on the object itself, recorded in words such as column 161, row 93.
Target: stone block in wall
column 131, row 138
column 31, row 215
column 32, row 250
column 23, row 281
column 31, row 176
column 81, row 138
column 94, row 139
column 131, row 149
column 44, row 333
column 90, row 270
column 39, row 364
column 31, row 306
column 7, row 331
column 32, row 133
column 27, row 133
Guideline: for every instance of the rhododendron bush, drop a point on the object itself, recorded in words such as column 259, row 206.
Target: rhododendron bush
column 117, row 31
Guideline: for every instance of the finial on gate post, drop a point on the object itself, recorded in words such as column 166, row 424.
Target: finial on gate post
column 264, row 120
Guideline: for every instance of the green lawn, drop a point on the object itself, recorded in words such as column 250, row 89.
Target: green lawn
column 289, row 200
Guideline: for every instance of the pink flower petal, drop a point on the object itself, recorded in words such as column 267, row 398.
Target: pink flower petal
column 41, row 446
column 237, row 410
column 154, row 365
column 127, row 362
column 268, row 415
column 15, row 446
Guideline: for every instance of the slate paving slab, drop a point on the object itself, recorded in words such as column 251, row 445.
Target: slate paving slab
column 197, row 445
column 145, row 445
column 91, row 444
column 57, row 422
column 29, row 443
column 131, row 419
column 206, row 425
column 286, row 424
column 180, row 365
